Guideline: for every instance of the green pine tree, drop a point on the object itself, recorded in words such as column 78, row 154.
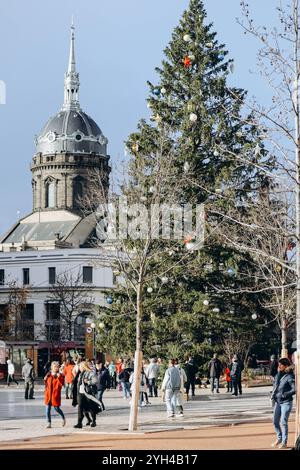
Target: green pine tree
column 198, row 118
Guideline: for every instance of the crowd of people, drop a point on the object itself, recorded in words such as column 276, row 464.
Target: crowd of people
column 85, row 381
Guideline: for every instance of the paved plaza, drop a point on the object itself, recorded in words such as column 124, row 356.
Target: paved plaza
column 23, row 420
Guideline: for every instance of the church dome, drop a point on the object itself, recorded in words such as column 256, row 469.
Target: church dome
column 71, row 130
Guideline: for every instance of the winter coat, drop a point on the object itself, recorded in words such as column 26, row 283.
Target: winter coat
column 215, row 368
column 284, row 387
column 236, row 370
column 190, row 370
column 87, row 389
column 143, row 387
column 28, row 372
column 118, row 366
column 152, row 371
column 125, row 374
column 172, row 379
column 183, row 378
column 53, row 386
column 67, row 371
column 103, row 379
column 227, row 374
column 10, row 368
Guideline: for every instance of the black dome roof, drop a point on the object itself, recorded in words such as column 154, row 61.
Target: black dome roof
column 72, row 131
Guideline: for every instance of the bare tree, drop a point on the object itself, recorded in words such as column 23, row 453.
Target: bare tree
column 144, row 253
column 233, row 343
column 279, row 65
column 266, row 232
column 73, row 296
column 14, row 325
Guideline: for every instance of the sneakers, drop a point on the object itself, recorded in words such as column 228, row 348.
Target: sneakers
column 276, row 443
column 282, row 445
column 48, row 426
column 179, row 415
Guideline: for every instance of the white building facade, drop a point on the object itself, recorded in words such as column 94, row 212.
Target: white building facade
column 56, row 238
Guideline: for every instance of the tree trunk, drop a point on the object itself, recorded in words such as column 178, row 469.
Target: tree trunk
column 284, row 340
column 297, row 161
column 137, row 364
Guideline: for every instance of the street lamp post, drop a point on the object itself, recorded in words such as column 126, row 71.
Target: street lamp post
column 93, row 326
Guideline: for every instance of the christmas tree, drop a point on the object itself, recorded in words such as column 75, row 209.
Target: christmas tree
column 209, row 151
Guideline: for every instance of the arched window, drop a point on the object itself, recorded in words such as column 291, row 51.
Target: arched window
column 77, row 192
column 80, row 326
column 50, row 194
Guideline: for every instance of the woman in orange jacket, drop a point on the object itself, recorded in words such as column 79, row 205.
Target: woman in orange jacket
column 54, row 381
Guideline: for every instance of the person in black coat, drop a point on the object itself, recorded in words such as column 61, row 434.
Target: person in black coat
column 84, row 390
column 191, row 370
column 215, row 370
column 236, row 375
column 282, row 398
column 103, row 381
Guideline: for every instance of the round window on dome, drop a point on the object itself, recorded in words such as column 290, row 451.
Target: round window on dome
column 78, row 137
column 51, row 137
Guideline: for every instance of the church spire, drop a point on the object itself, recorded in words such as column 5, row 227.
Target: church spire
column 72, row 62
column 71, row 92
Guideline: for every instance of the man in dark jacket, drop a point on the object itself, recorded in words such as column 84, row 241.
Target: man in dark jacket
column 103, row 381
column 124, row 377
column 28, row 376
column 214, row 372
column 236, row 375
column 282, row 397
column 190, row 370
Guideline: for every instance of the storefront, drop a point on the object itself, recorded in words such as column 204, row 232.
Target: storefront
column 18, row 352
column 57, row 351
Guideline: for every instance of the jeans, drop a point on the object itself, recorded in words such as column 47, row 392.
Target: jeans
column 69, row 390
column 152, row 387
column 280, row 420
column 100, row 395
column 171, row 400
column 57, row 409
column 126, row 389
column 29, row 388
column 214, row 383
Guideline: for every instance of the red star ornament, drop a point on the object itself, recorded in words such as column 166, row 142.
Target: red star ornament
column 187, row 62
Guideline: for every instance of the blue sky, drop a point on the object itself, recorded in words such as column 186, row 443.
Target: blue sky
column 118, row 45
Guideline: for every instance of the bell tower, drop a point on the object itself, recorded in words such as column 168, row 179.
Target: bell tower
column 69, row 147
